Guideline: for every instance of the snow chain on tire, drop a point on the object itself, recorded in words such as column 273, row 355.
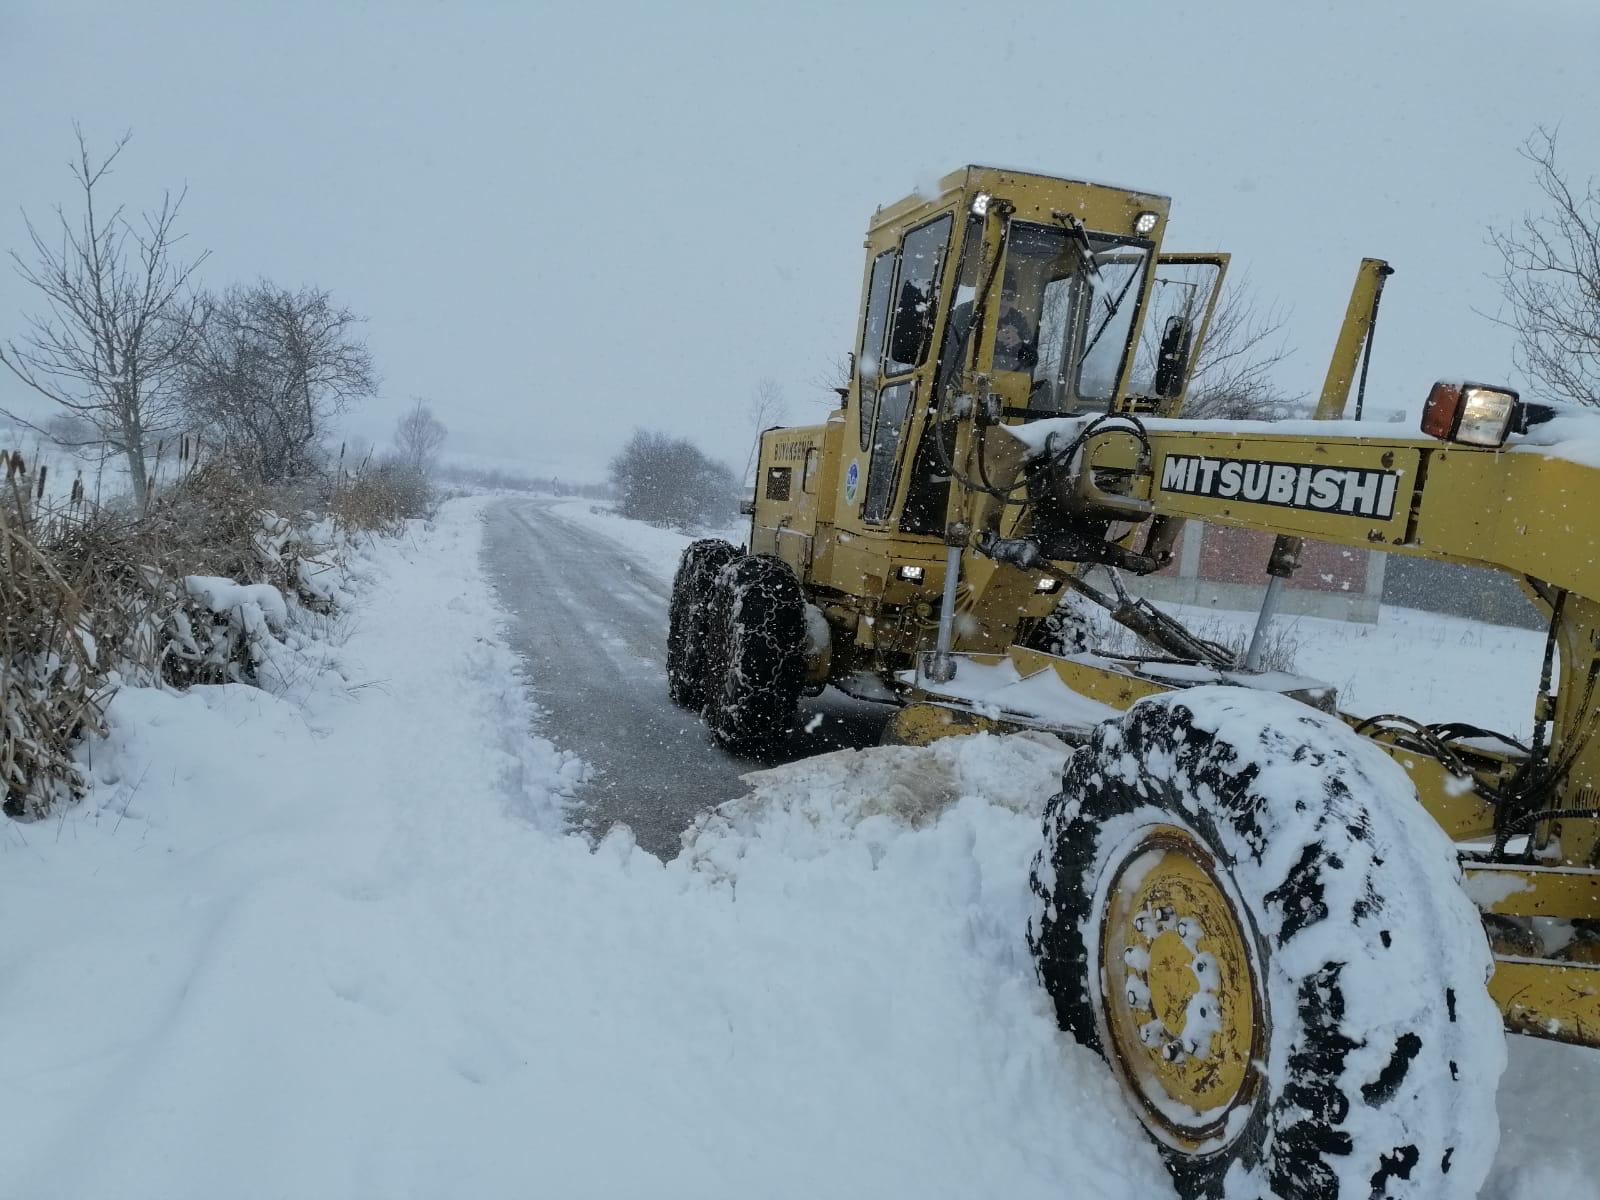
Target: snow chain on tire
column 686, row 618
column 1242, row 904
column 756, row 653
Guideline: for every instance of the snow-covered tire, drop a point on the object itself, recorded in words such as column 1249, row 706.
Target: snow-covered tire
column 686, row 618
column 1373, row 1048
column 756, row 658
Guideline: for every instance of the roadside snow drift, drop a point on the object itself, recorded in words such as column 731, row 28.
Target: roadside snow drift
column 344, row 948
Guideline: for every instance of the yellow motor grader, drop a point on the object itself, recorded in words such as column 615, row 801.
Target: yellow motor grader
column 1295, row 935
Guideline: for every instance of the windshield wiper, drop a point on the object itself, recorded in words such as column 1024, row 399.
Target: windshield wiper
column 1111, row 311
column 1079, row 233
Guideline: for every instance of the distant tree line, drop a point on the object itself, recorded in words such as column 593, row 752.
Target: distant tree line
column 667, row 480
column 517, row 481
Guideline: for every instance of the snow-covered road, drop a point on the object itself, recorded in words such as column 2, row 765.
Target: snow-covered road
column 341, row 947
column 590, row 615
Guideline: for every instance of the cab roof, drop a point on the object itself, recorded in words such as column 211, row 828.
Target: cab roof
column 1034, row 194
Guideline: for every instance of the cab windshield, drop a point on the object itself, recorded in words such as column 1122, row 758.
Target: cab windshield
column 1067, row 304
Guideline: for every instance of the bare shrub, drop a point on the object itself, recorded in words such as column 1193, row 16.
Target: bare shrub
column 86, row 591
column 382, row 497
column 669, row 481
column 48, row 676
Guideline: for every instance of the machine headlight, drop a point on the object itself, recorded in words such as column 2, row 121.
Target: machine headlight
column 910, row 574
column 1047, row 586
column 1144, row 222
column 1469, row 413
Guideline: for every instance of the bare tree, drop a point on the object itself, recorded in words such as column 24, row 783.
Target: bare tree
column 117, row 320
column 1550, row 279
column 268, row 372
column 834, row 378
column 767, row 408
column 418, row 437
column 1232, row 376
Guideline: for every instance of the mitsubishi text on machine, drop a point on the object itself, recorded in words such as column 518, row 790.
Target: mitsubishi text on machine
column 1353, row 490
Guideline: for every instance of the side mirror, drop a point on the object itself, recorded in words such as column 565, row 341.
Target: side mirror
column 1172, row 365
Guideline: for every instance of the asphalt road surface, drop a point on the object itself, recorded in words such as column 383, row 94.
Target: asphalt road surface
column 591, row 624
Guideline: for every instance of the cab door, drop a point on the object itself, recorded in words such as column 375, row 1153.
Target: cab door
column 902, row 373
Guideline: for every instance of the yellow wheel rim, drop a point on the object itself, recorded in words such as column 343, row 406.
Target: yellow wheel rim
column 1181, row 1007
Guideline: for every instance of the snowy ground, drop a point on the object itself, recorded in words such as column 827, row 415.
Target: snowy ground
column 1426, row 665
column 343, row 948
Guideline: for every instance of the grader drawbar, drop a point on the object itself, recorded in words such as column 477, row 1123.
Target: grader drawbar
column 1295, row 935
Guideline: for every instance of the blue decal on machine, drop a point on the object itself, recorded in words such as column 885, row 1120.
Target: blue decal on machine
column 852, row 479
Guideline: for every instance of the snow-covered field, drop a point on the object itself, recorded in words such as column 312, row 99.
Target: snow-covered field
column 1430, row 666
column 343, row 947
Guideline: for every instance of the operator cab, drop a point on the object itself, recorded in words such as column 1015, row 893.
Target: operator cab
column 1033, row 296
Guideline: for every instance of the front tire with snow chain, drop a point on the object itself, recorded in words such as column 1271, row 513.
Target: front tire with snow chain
column 1245, row 910
column 756, row 657
column 687, row 618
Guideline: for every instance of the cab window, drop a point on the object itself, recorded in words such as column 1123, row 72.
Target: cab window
column 872, row 330
column 778, row 482
column 917, row 295
column 958, row 326
column 1067, row 304
column 893, row 404
column 1113, row 300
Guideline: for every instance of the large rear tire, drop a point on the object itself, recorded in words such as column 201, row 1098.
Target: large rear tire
column 1246, row 911
column 756, row 660
column 686, row 618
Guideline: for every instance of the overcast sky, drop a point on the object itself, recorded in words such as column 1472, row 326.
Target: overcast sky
column 564, row 221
